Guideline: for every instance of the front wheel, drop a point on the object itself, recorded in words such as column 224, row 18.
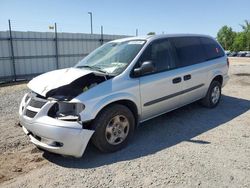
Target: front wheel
column 114, row 126
column 213, row 95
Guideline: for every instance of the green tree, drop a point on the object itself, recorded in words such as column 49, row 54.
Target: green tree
column 246, row 31
column 226, row 37
column 240, row 42
column 246, row 27
column 151, row 33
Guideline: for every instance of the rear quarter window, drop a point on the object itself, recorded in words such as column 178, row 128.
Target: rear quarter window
column 212, row 48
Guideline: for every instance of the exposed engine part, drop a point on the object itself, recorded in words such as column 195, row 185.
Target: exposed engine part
column 66, row 111
column 82, row 84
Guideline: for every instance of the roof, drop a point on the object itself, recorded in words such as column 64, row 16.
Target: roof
column 153, row 37
column 132, row 38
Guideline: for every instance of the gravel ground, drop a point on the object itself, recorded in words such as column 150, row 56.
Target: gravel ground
column 17, row 155
column 189, row 147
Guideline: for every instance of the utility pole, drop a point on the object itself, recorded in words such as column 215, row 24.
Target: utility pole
column 56, row 45
column 101, row 35
column 136, row 32
column 12, row 51
column 91, row 24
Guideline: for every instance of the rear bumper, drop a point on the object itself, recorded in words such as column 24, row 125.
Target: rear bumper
column 57, row 136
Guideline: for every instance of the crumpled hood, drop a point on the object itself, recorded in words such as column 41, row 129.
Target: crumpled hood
column 55, row 79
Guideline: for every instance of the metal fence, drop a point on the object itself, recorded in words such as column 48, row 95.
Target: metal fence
column 24, row 55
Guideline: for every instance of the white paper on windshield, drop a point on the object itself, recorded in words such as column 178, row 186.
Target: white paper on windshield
column 136, row 42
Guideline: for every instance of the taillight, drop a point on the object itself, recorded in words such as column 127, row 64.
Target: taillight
column 227, row 62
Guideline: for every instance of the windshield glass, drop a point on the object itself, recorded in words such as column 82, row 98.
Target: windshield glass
column 112, row 58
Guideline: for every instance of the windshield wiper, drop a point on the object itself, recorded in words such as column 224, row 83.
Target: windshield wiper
column 84, row 66
column 93, row 68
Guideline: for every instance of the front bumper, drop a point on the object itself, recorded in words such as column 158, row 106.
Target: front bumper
column 57, row 136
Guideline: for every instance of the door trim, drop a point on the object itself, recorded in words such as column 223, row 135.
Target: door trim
column 172, row 95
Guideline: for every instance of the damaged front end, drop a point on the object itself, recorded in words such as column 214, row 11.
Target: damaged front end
column 50, row 118
column 66, row 111
column 78, row 86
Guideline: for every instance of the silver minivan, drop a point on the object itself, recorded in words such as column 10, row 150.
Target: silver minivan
column 119, row 85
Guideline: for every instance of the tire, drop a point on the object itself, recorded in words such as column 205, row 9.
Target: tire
column 114, row 126
column 210, row 100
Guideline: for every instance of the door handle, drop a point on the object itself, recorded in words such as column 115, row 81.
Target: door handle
column 176, row 80
column 187, row 77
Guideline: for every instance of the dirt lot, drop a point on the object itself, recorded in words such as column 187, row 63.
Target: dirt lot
column 189, row 147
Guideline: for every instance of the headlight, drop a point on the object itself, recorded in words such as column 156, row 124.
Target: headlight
column 66, row 111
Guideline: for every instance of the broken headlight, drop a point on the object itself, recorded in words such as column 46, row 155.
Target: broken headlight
column 66, row 111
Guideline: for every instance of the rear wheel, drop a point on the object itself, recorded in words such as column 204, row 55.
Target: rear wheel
column 213, row 96
column 114, row 126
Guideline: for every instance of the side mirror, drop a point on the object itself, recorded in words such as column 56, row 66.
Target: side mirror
column 146, row 67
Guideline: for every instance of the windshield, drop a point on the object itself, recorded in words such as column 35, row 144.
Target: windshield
column 112, row 58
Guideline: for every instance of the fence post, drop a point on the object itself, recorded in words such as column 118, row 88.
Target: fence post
column 12, row 51
column 56, row 45
column 101, row 40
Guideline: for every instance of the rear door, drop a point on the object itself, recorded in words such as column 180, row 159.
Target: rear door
column 160, row 90
column 192, row 62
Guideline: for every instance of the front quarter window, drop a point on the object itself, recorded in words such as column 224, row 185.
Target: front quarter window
column 113, row 57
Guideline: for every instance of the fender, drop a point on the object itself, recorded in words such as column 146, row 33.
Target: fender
column 216, row 73
column 95, row 109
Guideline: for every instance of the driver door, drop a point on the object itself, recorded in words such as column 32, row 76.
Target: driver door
column 161, row 89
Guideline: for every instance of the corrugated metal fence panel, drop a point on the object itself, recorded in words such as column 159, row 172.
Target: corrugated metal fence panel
column 68, row 61
column 35, row 52
column 34, row 44
column 5, row 63
column 80, row 44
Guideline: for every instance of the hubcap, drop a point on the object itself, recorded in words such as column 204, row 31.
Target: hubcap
column 215, row 94
column 117, row 130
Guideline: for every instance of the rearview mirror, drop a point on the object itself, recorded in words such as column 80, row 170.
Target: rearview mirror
column 146, row 67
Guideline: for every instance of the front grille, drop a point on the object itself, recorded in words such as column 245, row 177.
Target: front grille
column 36, row 103
column 30, row 113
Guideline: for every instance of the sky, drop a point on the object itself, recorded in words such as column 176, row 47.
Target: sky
column 125, row 16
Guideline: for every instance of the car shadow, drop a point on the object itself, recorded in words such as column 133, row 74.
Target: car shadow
column 160, row 133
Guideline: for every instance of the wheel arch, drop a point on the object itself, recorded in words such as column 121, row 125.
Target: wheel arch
column 218, row 78
column 125, row 102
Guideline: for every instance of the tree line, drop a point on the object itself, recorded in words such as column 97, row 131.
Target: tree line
column 235, row 41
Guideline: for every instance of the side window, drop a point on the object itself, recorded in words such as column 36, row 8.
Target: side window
column 189, row 50
column 161, row 54
column 212, row 48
